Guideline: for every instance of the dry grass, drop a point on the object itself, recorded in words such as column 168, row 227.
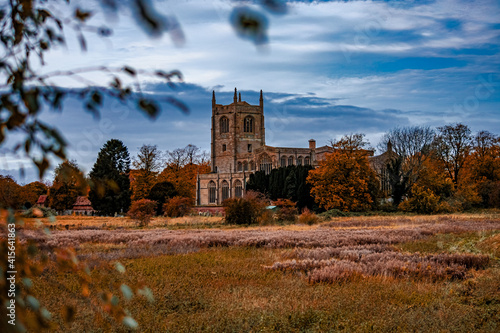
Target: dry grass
column 432, row 273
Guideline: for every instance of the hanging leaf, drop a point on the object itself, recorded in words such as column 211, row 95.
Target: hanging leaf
column 149, row 107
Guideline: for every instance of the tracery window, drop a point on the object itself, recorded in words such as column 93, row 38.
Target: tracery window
column 307, row 160
column 211, row 192
column 240, row 167
column 224, row 125
column 290, row 160
column 225, row 190
column 266, row 165
column 248, row 125
column 283, row 161
column 238, row 189
column 299, row 160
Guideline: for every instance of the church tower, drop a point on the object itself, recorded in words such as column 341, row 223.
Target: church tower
column 237, row 130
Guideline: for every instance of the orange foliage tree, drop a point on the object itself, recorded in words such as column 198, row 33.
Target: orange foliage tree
column 344, row 180
column 184, row 177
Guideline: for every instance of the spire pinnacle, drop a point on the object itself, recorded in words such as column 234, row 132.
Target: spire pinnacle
column 213, row 97
column 235, row 95
column 239, row 97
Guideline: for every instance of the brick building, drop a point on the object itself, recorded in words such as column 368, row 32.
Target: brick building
column 238, row 149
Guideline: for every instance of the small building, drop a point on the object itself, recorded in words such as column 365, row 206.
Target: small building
column 83, row 206
column 42, row 201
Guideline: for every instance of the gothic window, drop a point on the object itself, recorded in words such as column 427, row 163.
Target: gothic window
column 211, row 192
column 240, row 167
column 266, row 165
column 224, row 125
column 224, row 147
column 252, row 166
column 248, row 125
column 307, row 160
column 249, row 148
column 225, row 190
column 245, row 166
column 299, row 160
column 238, row 189
column 283, row 161
column 290, row 160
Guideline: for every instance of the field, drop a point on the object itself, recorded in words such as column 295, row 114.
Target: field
column 395, row 273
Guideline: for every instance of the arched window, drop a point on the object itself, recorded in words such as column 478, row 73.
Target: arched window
column 283, row 161
column 307, row 160
column 252, row 165
column 225, row 190
column 245, row 166
column 211, row 192
column 299, row 160
column 266, row 165
column 224, row 148
column 238, row 189
column 290, row 160
column 240, row 167
column 248, row 125
column 224, row 125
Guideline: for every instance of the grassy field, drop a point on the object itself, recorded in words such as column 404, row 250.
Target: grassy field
column 392, row 274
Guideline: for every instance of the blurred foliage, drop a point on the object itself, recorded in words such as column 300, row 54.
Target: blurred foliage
column 142, row 211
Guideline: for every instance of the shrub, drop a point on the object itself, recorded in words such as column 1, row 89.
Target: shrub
column 177, row 206
column 334, row 213
column 142, row 211
column 308, row 217
column 286, row 210
column 422, row 201
column 39, row 211
column 246, row 210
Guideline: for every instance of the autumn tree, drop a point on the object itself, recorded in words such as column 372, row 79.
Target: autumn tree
column 109, row 179
column 10, row 193
column 146, row 165
column 411, row 146
column 345, row 180
column 183, row 166
column 32, row 191
column 483, row 167
column 68, row 184
column 452, row 145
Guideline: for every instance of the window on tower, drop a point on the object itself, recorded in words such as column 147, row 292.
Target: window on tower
column 224, row 125
column 224, row 148
column 248, row 125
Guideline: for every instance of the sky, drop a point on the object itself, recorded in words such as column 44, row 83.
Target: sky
column 330, row 68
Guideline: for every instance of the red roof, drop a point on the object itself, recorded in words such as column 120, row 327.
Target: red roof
column 41, row 200
column 82, row 203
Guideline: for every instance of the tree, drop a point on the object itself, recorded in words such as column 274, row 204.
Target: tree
column 10, row 193
column 183, row 166
column 32, row 191
column 452, row 146
column 177, row 206
column 146, row 165
column 345, row 180
column 68, row 184
column 109, row 179
column 412, row 147
column 160, row 193
column 142, row 211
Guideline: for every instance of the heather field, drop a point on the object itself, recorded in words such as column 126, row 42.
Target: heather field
column 358, row 274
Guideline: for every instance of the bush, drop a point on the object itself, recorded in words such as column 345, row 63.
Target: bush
column 246, row 210
column 39, row 211
column 422, row 201
column 142, row 211
column 334, row 213
column 177, row 206
column 286, row 210
column 308, row 217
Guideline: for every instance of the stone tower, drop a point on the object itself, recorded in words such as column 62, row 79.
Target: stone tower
column 237, row 130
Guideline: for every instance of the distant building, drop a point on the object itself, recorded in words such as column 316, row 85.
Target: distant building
column 82, row 206
column 42, row 201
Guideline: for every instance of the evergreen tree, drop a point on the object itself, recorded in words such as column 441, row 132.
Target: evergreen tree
column 110, row 183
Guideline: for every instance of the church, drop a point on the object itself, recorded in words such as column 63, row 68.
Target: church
column 238, row 149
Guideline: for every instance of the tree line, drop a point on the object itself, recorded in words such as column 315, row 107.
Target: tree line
column 115, row 180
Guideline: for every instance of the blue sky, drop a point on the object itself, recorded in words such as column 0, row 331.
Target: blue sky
column 330, row 68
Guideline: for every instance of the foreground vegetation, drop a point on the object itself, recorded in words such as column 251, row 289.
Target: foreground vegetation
column 264, row 278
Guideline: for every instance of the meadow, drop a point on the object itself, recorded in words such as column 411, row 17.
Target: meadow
column 353, row 274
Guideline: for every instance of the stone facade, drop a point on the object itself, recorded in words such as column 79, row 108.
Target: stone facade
column 238, row 149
